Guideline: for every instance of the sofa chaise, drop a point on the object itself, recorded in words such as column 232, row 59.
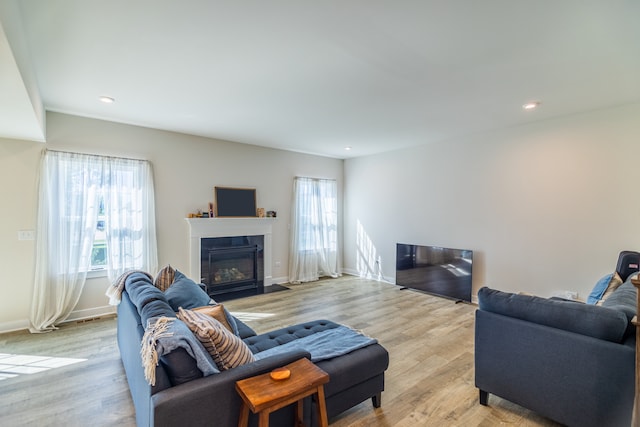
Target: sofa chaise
column 182, row 395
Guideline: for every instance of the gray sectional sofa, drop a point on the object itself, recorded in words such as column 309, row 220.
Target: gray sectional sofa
column 182, row 396
column 571, row 362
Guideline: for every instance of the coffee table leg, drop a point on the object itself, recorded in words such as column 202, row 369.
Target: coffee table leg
column 299, row 413
column 322, row 408
column 264, row 418
column 244, row 416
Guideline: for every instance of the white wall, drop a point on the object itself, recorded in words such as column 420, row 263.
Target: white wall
column 545, row 207
column 186, row 168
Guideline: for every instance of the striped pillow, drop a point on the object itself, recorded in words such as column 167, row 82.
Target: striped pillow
column 219, row 313
column 227, row 350
column 165, row 277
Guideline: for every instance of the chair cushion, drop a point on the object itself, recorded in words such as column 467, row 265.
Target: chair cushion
column 624, row 299
column 613, row 284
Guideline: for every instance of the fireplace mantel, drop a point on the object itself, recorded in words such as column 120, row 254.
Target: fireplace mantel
column 200, row 228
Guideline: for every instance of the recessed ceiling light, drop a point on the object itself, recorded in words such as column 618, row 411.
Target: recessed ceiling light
column 107, row 99
column 347, row 148
column 531, row 105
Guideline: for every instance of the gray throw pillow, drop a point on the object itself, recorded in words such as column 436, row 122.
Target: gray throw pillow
column 186, row 293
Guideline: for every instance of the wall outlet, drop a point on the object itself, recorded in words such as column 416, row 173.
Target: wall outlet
column 570, row 295
column 26, row 235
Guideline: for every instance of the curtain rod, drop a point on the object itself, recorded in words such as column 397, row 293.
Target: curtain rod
column 311, row 177
column 96, row 155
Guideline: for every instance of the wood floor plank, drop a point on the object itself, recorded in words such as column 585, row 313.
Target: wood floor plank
column 430, row 380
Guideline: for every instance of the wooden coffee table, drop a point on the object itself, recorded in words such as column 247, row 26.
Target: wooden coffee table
column 264, row 395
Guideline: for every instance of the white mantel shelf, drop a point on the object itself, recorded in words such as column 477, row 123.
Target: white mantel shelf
column 221, row 227
column 202, row 228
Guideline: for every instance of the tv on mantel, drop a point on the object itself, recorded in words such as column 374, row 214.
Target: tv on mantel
column 235, row 202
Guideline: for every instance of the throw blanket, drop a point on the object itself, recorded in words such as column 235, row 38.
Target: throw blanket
column 164, row 334
column 114, row 291
column 324, row 345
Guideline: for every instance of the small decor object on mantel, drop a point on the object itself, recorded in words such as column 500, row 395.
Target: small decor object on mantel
column 260, row 212
column 271, row 214
column 210, row 210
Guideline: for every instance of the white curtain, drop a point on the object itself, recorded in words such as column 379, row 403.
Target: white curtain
column 314, row 230
column 130, row 224
column 71, row 189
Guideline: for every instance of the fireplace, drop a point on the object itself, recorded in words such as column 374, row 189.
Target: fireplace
column 241, row 238
column 232, row 264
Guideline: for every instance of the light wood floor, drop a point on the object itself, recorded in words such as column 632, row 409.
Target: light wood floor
column 430, row 380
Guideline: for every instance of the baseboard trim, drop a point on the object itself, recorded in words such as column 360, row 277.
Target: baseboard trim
column 378, row 278
column 91, row 313
column 279, row 280
column 14, row 326
column 75, row 316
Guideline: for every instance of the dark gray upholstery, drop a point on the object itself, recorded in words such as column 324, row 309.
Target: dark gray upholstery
column 554, row 358
column 183, row 397
column 282, row 336
column 591, row 320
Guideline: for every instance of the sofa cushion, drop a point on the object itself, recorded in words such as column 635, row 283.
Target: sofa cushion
column 594, row 321
column 180, row 366
column 155, row 308
column 185, row 293
column 165, row 278
column 266, row 341
column 228, row 351
column 244, row 330
column 141, row 291
column 602, row 285
column 221, row 314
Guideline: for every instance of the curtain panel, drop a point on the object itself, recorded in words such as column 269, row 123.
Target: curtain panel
column 314, row 230
column 73, row 190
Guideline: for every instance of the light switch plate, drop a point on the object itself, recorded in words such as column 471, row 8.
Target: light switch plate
column 26, row 235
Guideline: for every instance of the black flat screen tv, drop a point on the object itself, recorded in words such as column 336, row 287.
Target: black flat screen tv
column 439, row 271
column 235, row 202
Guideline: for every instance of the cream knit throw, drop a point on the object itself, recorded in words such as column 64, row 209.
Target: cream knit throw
column 114, row 291
column 148, row 351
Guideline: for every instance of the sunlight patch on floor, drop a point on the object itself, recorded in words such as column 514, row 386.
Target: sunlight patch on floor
column 249, row 316
column 12, row 365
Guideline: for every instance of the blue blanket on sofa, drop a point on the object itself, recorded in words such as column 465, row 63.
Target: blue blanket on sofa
column 323, row 345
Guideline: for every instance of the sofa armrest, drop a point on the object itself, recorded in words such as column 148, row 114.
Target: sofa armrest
column 213, row 399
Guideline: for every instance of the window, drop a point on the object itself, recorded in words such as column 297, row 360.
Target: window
column 317, row 211
column 94, row 212
column 314, row 237
column 99, row 251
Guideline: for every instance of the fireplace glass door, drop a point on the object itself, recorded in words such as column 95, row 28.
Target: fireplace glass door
column 232, row 264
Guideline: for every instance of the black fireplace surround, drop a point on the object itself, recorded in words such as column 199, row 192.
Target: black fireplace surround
column 232, row 265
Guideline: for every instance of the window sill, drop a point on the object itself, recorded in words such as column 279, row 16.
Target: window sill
column 93, row 274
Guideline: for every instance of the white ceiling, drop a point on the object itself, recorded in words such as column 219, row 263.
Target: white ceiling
column 317, row 76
